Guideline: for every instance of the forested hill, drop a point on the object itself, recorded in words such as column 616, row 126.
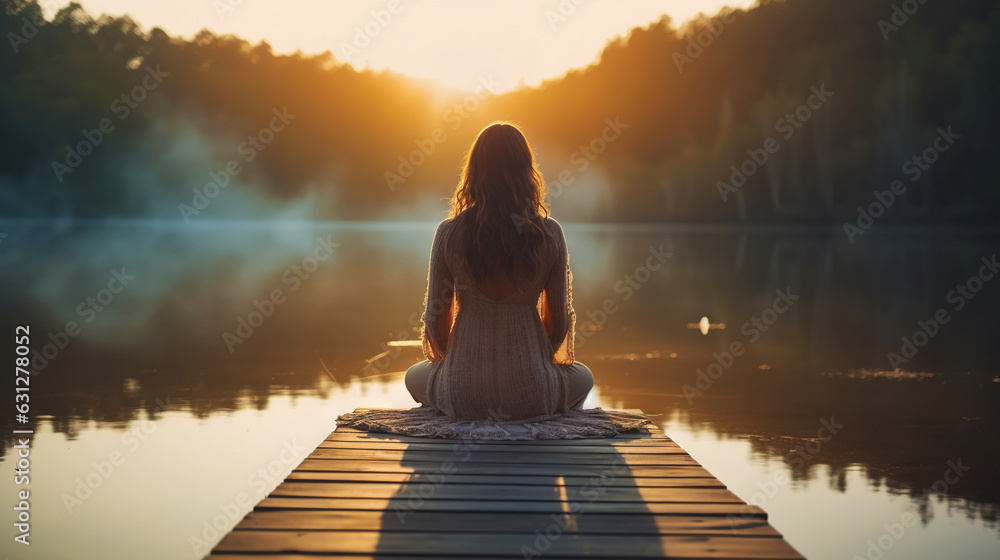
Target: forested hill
column 792, row 111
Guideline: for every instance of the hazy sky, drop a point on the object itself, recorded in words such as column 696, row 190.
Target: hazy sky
column 453, row 41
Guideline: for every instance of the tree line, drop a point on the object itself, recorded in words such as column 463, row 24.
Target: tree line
column 796, row 111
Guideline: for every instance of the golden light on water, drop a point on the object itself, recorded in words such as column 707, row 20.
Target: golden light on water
column 705, row 325
column 404, row 343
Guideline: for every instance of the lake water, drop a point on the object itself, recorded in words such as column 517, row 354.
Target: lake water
column 207, row 360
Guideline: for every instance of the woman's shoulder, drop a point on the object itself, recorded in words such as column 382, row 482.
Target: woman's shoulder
column 553, row 226
column 441, row 232
column 444, row 224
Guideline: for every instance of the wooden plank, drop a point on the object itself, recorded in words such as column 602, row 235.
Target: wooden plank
column 455, row 544
column 495, row 457
column 673, row 449
column 494, row 522
column 652, row 435
column 502, row 492
column 650, row 426
column 417, row 467
column 645, row 430
column 619, row 440
column 279, row 556
column 459, row 478
column 639, row 495
column 422, row 505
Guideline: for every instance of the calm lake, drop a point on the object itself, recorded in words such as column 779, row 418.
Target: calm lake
column 205, row 361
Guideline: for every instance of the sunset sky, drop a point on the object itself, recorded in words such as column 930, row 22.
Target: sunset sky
column 456, row 42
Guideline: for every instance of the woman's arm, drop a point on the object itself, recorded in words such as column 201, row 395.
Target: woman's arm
column 556, row 303
column 439, row 301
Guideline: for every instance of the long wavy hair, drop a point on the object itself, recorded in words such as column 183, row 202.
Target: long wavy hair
column 499, row 208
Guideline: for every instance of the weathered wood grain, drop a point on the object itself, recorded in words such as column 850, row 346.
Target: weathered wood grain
column 374, row 496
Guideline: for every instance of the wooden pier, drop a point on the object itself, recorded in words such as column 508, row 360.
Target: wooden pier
column 364, row 495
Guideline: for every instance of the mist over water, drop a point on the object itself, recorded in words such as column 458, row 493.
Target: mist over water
column 822, row 358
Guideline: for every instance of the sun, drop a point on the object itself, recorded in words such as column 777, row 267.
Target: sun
column 454, row 42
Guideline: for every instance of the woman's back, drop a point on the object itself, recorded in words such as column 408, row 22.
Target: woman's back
column 498, row 320
column 501, row 342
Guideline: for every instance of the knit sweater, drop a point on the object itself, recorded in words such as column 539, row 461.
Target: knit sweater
column 499, row 359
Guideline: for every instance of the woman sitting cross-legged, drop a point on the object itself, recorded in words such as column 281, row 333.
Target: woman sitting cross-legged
column 498, row 325
column 498, row 320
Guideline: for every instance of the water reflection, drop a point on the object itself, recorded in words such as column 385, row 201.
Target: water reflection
column 809, row 322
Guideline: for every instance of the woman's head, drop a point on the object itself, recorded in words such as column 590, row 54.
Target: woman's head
column 499, row 171
column 499, row 204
